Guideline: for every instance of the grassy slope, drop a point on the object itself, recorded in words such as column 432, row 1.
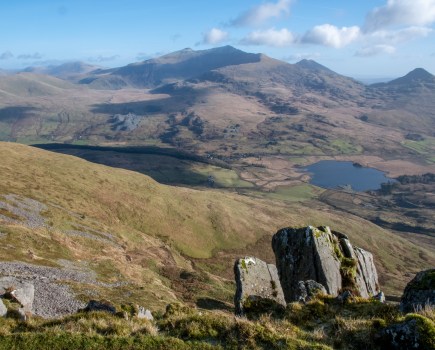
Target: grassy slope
column 157, row 225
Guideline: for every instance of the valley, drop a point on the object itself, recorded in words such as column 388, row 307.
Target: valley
column 183, row 170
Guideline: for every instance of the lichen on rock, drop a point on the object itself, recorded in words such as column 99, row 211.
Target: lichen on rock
column 258, row 287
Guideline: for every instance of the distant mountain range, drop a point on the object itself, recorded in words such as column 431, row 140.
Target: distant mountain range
column 221, row 101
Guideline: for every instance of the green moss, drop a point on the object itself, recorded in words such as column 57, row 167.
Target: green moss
column 427, row 282
column 425, row 329
column 243, row 263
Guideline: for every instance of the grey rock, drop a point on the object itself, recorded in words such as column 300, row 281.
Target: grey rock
column 345, row 296
column 309, row 289
column 25, row 296
column 406, row 335
column 258, row 287
column 380, row 297
column 420, row 292
column 319, row 254
column 3, row 309
column 95, row 305
column 366, row 274
column 145, row 313
column 306, row 254
column 347, row 248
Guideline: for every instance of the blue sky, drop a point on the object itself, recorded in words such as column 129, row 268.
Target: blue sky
column 385, row 38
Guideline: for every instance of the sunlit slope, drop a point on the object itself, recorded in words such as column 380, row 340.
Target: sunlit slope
column 125, row 226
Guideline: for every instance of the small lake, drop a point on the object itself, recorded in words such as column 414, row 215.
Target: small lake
column 333, row 174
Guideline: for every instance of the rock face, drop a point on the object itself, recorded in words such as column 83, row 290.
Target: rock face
column 420, row 292
column 324, row 256
column 258, row 286
column 366, row 274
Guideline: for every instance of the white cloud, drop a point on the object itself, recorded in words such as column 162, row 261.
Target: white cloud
column 399, row 36
column 215, row 36
column 6, row 55
column 375, row 50
column 332, row 36
column 261, row 13
column 269, row 37
column 401, row 12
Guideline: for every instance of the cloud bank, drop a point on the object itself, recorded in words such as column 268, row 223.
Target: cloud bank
column 262, row 13
column 269, row 37
column 215, row 36
column 332, row 36
column 401, row 12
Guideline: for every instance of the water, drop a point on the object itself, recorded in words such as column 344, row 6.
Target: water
column 333, row 174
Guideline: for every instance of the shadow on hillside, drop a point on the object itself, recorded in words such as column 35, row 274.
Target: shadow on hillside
column 165, row 165
column 213, row 304
column 15, row 113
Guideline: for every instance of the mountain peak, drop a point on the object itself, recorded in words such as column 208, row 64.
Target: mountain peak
column 419, row 74
column 416, row 76
column 313, row 65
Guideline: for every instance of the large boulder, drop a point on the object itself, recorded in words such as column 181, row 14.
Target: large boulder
column 258, row 287
column 324, row 256
column 420, row 292
column 414, row 332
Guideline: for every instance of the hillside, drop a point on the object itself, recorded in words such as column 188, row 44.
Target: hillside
column 100, row 227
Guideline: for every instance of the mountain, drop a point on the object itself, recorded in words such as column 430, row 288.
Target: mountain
column 68, row 71
column 313, row 65
column 418, row 76
column 179, row 65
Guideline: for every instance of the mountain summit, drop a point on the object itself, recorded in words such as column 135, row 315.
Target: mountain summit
column 178, row 65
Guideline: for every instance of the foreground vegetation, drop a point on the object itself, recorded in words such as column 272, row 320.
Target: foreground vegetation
column 323, row 323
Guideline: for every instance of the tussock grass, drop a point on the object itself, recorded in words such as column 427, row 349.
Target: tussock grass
column 321, row 324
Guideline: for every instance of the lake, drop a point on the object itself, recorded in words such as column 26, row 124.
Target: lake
column 333, row 174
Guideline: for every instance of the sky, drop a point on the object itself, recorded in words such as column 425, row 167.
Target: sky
column 358, row 38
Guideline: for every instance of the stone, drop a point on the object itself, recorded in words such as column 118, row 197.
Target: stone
column 366, row 274
column 308, row 290
column 25, row 296
column 345, row 296
column 420, row 292
column 347, row 248
column 306, row 254
column 258, row 287
column 380, row 297
column 3, row 309
column 103, row 305
column 414, row 332
column 145, row 313
column 326, row 257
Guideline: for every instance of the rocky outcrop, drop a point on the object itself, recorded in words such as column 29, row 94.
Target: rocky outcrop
column 420, row 292
column 324, row 256
column 309, row 289
column 258, row 287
